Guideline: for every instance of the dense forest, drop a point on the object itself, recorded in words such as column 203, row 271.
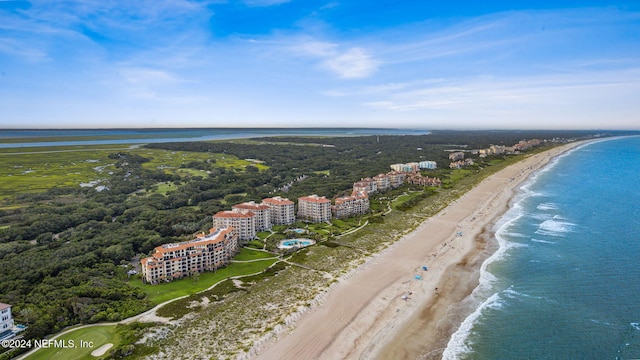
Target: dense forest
column 64, row 253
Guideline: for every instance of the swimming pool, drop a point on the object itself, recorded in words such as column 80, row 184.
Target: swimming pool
column 288, row 244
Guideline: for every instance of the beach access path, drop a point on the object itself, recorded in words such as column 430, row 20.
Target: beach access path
column 390, row 307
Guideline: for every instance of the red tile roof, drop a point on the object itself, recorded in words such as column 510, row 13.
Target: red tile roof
column 314, row 199
column 275, row 201
column 231, row 214
column 248, row 206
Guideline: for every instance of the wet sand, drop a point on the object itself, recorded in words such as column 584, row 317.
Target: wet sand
column 382, row 311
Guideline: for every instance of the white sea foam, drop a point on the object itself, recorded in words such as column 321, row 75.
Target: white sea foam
column 540, row 216
column 554, row 228
column 459, row 342
column 543, row 241
column 513, row 294
column 457, row 345
column 547, row 206
column 515, row 235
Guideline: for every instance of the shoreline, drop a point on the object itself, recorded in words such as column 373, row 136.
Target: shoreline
column 382, row 311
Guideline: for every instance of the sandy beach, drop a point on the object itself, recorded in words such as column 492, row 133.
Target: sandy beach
column 390, row 307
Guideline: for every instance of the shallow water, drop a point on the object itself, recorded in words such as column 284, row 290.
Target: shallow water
column 565, row 283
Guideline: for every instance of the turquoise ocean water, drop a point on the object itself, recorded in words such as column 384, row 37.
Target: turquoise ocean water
column 565, row 283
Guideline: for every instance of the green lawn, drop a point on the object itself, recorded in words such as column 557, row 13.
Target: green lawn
column 249, row 254
column 402, row 198
column 164, row 188
column 175, row 289
column 95, row 335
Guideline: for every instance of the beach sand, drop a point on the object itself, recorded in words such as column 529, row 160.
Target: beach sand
column 382, row 311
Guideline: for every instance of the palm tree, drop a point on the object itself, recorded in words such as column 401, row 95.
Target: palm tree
column 27, row 314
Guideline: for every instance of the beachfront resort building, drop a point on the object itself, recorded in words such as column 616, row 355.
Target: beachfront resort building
column 244, row 224
column 262, row 212
column 431, row 165
column 461, row 163
column 314, row 208
column 396, row 178
column 178, row 260
column 418, row 179
column 367, row 185
column 383, row 182
column 356, row 204
column 6, row 321
column 282, row 210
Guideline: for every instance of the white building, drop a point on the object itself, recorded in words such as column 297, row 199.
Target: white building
column 262, row 214
column 6, row 321
column 243, row 224
column 383, row 181
column 282, row 211
column 367, row 185
column 396, row 178
column 356, row 204
column 428, row 165
column 178, row 260
column 314, row 208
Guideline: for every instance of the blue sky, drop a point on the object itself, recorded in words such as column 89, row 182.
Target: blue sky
column 282, row 63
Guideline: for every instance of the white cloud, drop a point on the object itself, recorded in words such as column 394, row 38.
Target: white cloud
column 262, row 3
column 151, row 84
column 547, row 100
column 23, row 51
column 353, row 63
column 349, row 63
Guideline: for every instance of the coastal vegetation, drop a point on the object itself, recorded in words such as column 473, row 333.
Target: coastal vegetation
column 66, row 249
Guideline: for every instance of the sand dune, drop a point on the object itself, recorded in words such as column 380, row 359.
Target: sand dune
column 382, row 311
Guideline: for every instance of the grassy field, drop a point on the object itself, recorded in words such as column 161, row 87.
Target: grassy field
column 249, row 255
column 187, row 286
column 402, row 198
column 39, row 169
column 96, row 335
column 34, row 170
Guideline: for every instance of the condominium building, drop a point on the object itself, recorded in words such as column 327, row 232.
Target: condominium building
column 396, row 178
column 408, row 167
column 418, row 179
column 281, row 210
column 428, row 165
column 382, row 181
column 178, row 260
column 262, row 214
column 244, row 224
column 6, row 321
column 314, row 208
column 367, row 185
column 356, row 204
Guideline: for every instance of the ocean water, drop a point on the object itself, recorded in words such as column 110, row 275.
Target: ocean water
column 565, row 283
